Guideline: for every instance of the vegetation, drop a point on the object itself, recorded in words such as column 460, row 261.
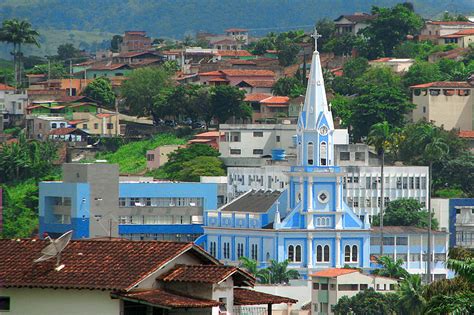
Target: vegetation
column 285, row 43
column 276, row 273
column 288, row 86
column 367, row 302
column 405, row 212
column 390, row 268
column 101, row 91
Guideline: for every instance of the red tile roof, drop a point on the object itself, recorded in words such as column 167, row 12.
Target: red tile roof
column 218, row 80
column 166, row 299
column 276, row 100
column 211, row 73
column 462, row 33
column 236, row 30
column 113, row 66
column 104, row 115
column 250, row 297
column 466, row 134
column 234, row 53
column 444, row 84
column 204, row 274
column 232, row 72
column 226, row 41
column 256, row 97
column 333, row 272
column 88, row 264
column 260, row 83
column 385, row 59
column 355, row 18
column 4, row 87
column 450, row 23
column 211, row 134
column 241, row 62
column 62, row 131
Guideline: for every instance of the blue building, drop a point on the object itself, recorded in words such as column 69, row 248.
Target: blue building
column 461, row 222
column 92, row 201
column 309, row 224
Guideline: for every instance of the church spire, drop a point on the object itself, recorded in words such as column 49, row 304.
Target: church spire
column 315, row 123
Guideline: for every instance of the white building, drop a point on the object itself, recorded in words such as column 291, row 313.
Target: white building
column 331, row 284
column 12, row 104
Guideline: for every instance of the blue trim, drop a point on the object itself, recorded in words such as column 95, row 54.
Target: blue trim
column 160, row 228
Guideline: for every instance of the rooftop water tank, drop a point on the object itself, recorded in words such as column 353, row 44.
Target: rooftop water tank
column 278, row 154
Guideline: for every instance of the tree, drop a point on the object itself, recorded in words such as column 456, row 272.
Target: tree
column 410, row 292
column 421, row 72
column 263, row 45
column 352, row 70
column 391, row 26
column 200, row 166
column 68, row 51
column 390, row 268
column 145, row 90
column 448, row 17
column 458, row 174
column 54, row 70
column 288, row 86
column 278, row 272
column 342, row 45
column 251, row 266
column 101, row 90
column 115, row 43
column 18, row 32
column 367, row 302
column 287, row 53
column 326, row 28
column 405, row 212
column 227, row 102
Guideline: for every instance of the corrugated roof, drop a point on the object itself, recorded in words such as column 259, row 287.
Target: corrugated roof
column 256, row 97
column 204, row 274
column 234, row 72
column 466, row 134
column 251, row 297
column 402, row 230
column 258, row 201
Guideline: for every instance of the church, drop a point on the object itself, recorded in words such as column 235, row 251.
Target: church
column 309, row 224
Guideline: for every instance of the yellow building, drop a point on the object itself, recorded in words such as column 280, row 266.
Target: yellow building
column 102, row 124
column 462, row 38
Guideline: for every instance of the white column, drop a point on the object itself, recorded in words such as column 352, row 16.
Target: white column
column 338, row 250
column 301, row 190
column 310, row 250
column 421, row 251
column 338, row 193
column 310, row 194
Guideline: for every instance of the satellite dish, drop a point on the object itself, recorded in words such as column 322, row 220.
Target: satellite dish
column 55, row 248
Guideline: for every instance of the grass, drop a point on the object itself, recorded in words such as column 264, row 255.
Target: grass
column 131, row 157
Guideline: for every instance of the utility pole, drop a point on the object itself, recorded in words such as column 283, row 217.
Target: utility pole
column 428, row 262
column 382, row 202
column 49, row 72
column 70, row 77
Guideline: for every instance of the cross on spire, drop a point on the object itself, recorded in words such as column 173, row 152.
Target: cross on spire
column 316, row 35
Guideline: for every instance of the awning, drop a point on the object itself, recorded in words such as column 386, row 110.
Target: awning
column 251, row 297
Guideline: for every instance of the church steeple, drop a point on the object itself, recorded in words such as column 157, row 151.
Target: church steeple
column 315, row 123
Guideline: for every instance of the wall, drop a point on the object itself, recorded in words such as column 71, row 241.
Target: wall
column 441, row 212
column 298, row 289
column 57, row 302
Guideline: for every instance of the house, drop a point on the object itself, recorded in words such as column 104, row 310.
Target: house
column 234, row 77
column 235, row 54
column 119, row 277
column 103, row 123
column 256, row 86
column 135, row 41
column 447, row 104
column 434, row 30
column 461, row 38
column 468, row 136
column 137, row 58
column 331, row 284
column 272, row 108
column 12, row 105
column 94, row 201
column 352, row 23
column 72, row 135
column 396, row 64
column 238, row 34
column 159, row 156
column 227, row 44
column 453, row 54
column 108, row 70
column 211, row 138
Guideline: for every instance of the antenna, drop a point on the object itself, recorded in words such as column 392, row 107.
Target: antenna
column 55, row 248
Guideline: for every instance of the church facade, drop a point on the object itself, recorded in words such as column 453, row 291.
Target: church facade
column 310, row 225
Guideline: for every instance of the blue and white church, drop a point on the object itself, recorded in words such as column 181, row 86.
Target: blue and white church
column 309, row 224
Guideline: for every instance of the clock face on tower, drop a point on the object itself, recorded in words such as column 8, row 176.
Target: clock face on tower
column 323, row 130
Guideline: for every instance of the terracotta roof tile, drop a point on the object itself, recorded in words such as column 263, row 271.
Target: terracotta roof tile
column 4, row 87
column 162, row 298
column 444, row 84
column 450, row 23
column 62, row 131
column 203, row 274
column 466, row 134
column 89, row 264
column 256, row 97
column 211, row 73
column 211, row 134
column 113, row 66
column 250, row 297
column 233, row 53
column 241, row 62
column 260, row 83
column 104, row 115
column 234, row 72
column 274, row 100
column 333, row 272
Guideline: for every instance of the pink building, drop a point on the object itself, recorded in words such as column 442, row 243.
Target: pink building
column 211, row 138
column 159, row 156
column 234, row 77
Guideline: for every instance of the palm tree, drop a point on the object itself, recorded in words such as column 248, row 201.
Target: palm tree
column 390, row 268
column 410, row 292
column 278, row 272
column 379, row 137
column 251, row 266
column 18, row 32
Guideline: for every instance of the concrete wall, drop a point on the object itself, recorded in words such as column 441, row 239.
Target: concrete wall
column 72, row 302
column 298, row 289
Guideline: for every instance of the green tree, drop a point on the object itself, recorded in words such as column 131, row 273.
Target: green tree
column 263, row 45
column 227, row 102
column 458, row 174
column 405, row 212
column 201, row 166
column 101, row 90
column 412, row 301
column 326, row 28
column 367, row 302
column 391, row 26
column 288, row 86
column 251, row 266
column 144, row 92
column 278, row 272
column 287, row 53
column 201, row 106
column 448, row 17
column 342, row 45
column 390, row 268
column 421, row 72
column 55, row 70
column 18, row 33
column 115, row 43
column 352, row 70
column 68, row 51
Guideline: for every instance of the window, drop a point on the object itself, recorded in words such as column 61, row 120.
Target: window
column 315, row 307
column 347, row 253
column 389, row 241
column 355, row 256
column 235, row 137
column 326, row 253
column 351, row 254
column 226, row 250
column 96, row 126
column 84, row 126
column 324, row 286
column 254, row 252
column 323, row 153
column 298, row 253
column 223, row 306
column 258, row 134
column 277, row 138
column 235, row 151
column 364, row 286
column 212, row 249
column 310, row 153
column 360, row 156
column 257, row 151
column 402, row 240
column 316, row 286
column 319, row 253
column 148, row 202
column 240, row 250
column 54, row 125
column 110, row 126
column 348, row 287
column 345, row 156
column 4, row 303
column 291, row 253
column 122, row 202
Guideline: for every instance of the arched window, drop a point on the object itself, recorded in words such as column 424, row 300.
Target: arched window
column 355, row 253
column 326, row 253
column 268, row 256
column 291, row 253
column 318, row 222
column 323, row 153
column 347, row 253
column 54, row 125
column 319, row 253
column 298, row 253
column 212, row 249
column 310, row 153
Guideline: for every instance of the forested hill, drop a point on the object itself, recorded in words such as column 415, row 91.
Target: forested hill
column 176, row 18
